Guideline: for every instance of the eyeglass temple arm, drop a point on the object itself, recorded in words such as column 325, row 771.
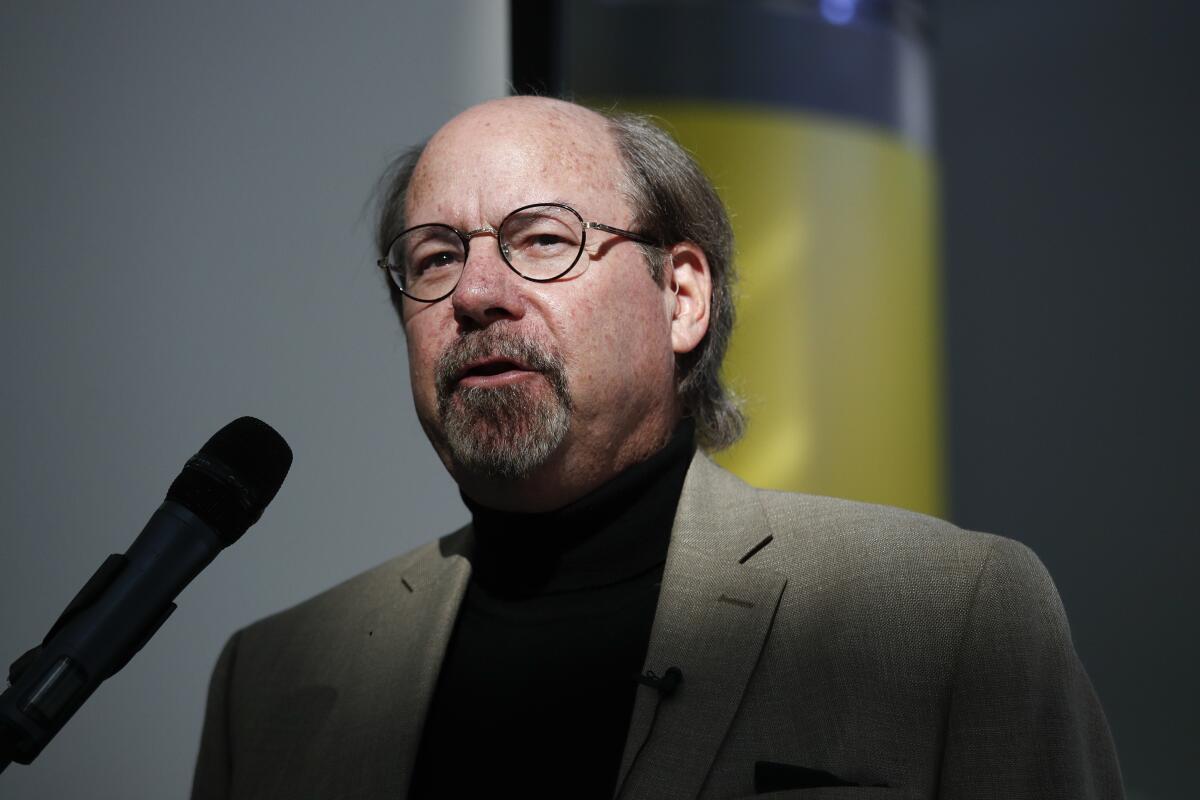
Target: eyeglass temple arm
column 619, row 231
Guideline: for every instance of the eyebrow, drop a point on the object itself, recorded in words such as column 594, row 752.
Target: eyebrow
column 556, row 199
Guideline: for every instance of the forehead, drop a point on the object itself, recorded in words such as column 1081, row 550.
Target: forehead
column 497, row 157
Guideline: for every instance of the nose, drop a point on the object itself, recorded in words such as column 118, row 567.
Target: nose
column 488, row 290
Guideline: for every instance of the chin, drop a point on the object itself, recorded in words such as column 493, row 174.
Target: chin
column 503, row 433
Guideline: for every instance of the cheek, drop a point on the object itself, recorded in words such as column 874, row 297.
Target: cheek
column 619, row 342
column 423, row 351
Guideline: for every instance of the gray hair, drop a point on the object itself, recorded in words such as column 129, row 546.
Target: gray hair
column 673, row 201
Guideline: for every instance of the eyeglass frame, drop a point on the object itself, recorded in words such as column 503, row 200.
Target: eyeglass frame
column 466, row 236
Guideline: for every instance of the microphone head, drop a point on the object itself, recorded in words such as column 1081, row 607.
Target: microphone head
column 235, row 475
column 671, row 680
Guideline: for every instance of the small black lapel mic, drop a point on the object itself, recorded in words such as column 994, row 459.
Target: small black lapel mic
column 666, row 684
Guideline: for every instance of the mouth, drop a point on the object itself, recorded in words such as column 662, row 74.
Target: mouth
column 493, row 371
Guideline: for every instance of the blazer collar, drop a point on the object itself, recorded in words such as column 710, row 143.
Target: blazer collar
column 712, row 619
column 411, row 610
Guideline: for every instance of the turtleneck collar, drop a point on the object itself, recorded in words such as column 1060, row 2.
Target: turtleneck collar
column 616, row 532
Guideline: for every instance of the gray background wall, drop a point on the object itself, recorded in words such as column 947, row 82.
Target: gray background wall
column 1069, row 134
column 182, row 241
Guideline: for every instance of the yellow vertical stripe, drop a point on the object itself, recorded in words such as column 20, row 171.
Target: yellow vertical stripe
column 837, row 349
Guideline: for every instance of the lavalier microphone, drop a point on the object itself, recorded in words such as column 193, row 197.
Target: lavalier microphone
column 666, row 684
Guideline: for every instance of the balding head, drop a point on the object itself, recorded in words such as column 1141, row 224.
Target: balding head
column 516, row 140
column 508, row 129
column 634, row 342
column 555, row 118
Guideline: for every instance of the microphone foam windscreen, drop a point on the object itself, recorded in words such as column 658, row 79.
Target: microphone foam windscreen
column 235, row 475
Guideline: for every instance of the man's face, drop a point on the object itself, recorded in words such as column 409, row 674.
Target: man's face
column 533, row 393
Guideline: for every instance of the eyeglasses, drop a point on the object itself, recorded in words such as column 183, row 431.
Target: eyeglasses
column 539, row 242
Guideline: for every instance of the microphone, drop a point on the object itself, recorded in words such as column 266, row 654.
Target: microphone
column 221, row 492
column 666, row 684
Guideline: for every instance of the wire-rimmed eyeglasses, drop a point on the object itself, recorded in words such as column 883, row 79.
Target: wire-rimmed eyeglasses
column 540, row 242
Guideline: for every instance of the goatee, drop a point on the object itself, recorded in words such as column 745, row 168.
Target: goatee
column 503, row 431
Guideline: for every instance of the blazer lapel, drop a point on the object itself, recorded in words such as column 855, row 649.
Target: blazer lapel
column 391, row 659
column 438, row 585
column 713, row 617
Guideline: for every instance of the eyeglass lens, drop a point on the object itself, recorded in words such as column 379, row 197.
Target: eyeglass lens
column 540, row 242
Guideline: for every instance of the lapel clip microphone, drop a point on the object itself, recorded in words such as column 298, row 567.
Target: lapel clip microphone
column 666, row 684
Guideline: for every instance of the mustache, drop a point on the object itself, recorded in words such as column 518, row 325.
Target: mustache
column 496, row 342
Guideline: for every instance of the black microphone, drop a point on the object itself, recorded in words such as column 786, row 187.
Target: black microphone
column 221, row 492
column 666, row 684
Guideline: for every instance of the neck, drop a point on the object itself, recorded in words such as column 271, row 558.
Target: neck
column 574, row 470
column 619, row 530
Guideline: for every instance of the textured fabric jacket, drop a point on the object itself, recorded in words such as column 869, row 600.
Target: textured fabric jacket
column 859, row 645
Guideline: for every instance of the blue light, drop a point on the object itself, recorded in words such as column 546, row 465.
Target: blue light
column 839, row 12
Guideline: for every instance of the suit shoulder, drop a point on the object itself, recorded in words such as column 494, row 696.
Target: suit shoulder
column 830, row 517
column 870, row 540
column 834, row 535
column 881, row 555
column 366, row 589
column 907, row 571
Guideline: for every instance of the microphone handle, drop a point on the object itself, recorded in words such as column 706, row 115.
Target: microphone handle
column 111, row 619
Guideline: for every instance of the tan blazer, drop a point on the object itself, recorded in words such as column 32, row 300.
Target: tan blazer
column 878, row 645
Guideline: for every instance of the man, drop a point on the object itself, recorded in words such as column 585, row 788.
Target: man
column 622, row 617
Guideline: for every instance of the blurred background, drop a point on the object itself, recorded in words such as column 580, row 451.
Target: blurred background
column 987, row 209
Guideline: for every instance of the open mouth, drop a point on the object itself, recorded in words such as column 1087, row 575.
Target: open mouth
column 492, row 368
column 493, row 371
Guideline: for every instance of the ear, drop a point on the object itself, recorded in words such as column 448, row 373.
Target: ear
column 689, row 295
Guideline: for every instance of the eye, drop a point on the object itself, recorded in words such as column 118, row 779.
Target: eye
column 540, row 237
column 428, row 250
column 431, row 261
column 546, row 240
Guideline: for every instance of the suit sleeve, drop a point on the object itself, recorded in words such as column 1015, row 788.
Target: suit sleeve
column 214, row 764
column 1024, row 720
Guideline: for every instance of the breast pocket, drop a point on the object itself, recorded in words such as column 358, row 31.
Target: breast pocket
column 833, row 793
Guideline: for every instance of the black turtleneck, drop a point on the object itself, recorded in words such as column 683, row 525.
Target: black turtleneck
column 536, row 689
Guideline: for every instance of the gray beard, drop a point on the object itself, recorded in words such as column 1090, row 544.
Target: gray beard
column 503, row 432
